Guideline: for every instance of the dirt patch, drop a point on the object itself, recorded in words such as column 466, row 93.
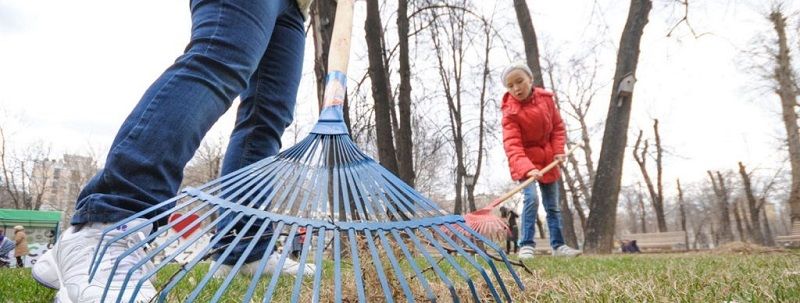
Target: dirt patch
column 746, row 248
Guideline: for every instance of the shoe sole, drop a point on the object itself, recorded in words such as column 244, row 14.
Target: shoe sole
column 42, row 281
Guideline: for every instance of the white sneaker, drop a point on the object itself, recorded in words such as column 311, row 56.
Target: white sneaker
column 72, row 256
column 525, row 252
column 566, row 251
column 290, row 267
column 44, row 270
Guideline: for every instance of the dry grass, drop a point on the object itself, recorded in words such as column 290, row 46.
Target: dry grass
column 740, row 275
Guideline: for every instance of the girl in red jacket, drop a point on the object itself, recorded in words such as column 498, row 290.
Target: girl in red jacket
column 533, row 136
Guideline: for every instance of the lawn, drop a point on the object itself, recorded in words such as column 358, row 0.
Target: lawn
column 678, row 277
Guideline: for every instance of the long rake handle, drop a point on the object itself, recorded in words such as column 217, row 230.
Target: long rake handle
column 339, row 54
column 527, row 182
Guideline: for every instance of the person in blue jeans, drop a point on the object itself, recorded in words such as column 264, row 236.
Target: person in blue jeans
column 533, row 137
column 248, row 48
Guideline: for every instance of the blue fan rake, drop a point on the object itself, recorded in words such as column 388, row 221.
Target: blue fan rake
column 370, row 235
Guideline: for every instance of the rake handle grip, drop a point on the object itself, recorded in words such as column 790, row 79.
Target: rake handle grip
column 527, row 182
column 338, row 55
column 339, row 52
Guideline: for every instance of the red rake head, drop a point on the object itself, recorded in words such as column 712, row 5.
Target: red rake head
column 486, row 223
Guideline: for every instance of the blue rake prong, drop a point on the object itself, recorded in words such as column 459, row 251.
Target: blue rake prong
column 435, row 265
column 351, row 235
column 496, row 248
column 398, row 272
column 337, row 269
column 472, row 262
column 302, row 266
column 262, row 264
column 318, row 262
column 475, row 264
column 387, row 291
column 457, row 267
column 277, row 271
column 413, row 263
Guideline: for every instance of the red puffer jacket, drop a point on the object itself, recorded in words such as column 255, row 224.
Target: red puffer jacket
column 533, row 133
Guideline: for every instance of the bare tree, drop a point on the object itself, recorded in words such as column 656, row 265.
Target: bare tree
column 529, row 40
column 722, row 196
column 605, row 190
column 656, row 191
column 25, row 173
column 753, row 206
column 682, row 208
column 786, row 88
column 206, row 163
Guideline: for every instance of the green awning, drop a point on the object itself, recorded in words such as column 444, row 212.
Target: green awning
column 29, row 218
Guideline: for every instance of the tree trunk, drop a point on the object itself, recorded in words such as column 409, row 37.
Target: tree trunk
column 738, row 218
column 756, row 232
column 656, row 193
column 682, row 207
column 529, row 40
column 605, row 191
column 787, row 90
column 380, row 88
column 643, row 210
column 568, row 227
column 721, row 193
column 405, row 146
column 769, row 239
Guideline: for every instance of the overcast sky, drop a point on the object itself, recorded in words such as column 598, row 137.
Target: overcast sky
column 70, row 71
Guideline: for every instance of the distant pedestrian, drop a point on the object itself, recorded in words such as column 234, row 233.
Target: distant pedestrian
column 21, row 241
column 513, row 230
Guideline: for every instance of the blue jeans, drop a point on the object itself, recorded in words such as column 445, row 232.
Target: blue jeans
column 551, row 207
column 248, row 48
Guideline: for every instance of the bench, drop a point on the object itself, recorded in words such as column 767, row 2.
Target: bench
column 793, row 236
column 671, row 240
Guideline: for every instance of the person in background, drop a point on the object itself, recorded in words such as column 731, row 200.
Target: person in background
column 534, row 136
column 513, row 230
column 21, row 241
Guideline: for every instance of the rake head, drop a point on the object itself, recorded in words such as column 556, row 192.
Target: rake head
column 354, row 211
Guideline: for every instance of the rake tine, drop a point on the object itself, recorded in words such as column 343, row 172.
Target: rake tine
column 486, row 258
column 337, row 269
column 277, row 271
column 230, row 247
column 356, row 265
column 435, row 265
column 97, row 257
column 472, row 262
column 500, row 251
column 387, row 292
column 461, row 272
column 263, row 263
column 413, row 263
column 295, row 188
column 398, row 272
column 226, row 283
column 318, row 262
column 302, row 260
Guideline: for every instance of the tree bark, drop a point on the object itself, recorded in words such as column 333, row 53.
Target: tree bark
column 682, row 207
column 570, row 238
column 529, row 40
column 380, row 88
column 786, row 88
column 405, row 146
column 605, row 191
column 724, row 231
column 756, row 233
column 656, row 193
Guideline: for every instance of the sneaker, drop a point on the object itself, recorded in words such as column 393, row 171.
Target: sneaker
column 566, row 251
column 525, row 252
column 290, row 267
column 44, row 270
column 71, row 260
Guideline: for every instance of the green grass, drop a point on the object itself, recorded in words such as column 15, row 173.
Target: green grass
column 689, row 277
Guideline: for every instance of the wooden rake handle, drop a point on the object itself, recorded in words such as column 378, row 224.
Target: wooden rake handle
column 527, row 182
column 338, row 55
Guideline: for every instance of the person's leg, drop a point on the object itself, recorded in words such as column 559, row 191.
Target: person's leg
column 530, row 205
column 266, row 109
column 20, row 264
column 146, row 161
column 551, row 207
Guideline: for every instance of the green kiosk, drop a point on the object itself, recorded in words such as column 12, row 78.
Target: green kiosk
column 41, row 228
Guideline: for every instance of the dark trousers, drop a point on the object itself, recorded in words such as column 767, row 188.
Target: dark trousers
column 19, row 262
column 509, row 243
